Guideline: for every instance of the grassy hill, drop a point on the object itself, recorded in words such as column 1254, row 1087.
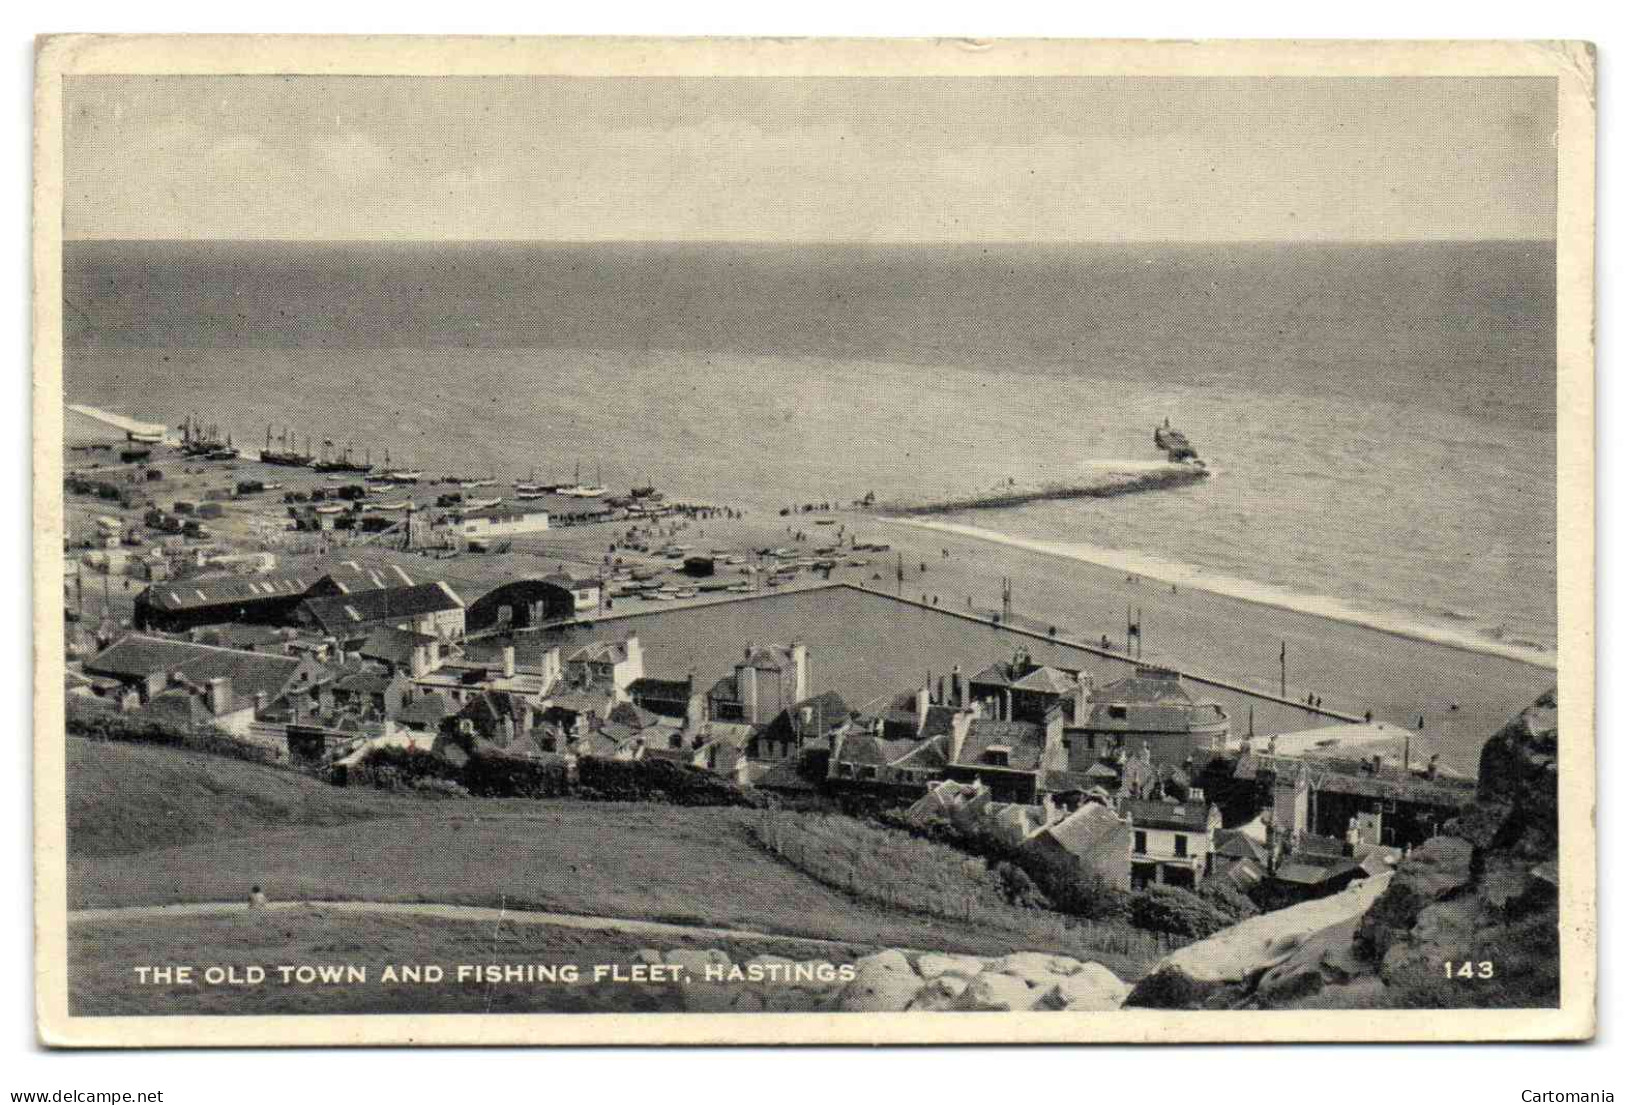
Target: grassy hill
column 151, row 825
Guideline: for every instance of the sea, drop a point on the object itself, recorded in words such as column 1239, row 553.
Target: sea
column 1379, row 419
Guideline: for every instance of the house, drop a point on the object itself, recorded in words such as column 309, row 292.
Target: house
column 149, row 665
column 867, row 760
column 422, row 713
column 805, row 725
column 1151, row 709
column 402, row 651
column 1094, row 840
column 1022, row 689
column 495, row 718
column 1410, row 808
column 501, row 520
column 616, row 664
column 191, row 707
column 365, row 693
column 673, row 698
column 1173, row 842
column 1010, row 758
column 462, row 678
column 767, row 680
column 433, row 609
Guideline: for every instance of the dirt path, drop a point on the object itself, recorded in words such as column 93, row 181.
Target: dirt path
column 444, row 912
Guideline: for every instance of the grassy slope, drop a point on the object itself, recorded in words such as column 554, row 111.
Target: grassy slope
column 152, row 826
column 103, row 953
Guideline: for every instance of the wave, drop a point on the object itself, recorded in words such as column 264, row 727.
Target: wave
column 1189, row 575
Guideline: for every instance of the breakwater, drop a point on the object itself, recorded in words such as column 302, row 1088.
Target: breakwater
column 1102, row 485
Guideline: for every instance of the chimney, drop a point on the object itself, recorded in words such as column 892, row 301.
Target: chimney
column 1376, row 765
column 745, row 675
column 1054, row 730
column 634, row 659
column 507, row 661
column 260, row 700
column 1433, row 766
column 220, row 695
column 798, row 671
column 956, row 688
column 922, row 703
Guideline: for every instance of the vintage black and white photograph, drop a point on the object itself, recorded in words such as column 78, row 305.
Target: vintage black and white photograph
column 753, row 534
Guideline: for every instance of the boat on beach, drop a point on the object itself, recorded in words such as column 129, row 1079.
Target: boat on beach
column 1175, row 444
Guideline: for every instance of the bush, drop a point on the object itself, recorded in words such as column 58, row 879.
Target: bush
column 499, row 776
column 1018, row 887
column 398, row 769
column 1176, row 912
column 1224, row 896
column 103, row 724
column 658, row 781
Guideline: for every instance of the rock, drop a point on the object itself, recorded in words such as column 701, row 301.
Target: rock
column 711, row 997
column 748, row 1002
column 993, row 992
column 1025, row 964
column 694, row 961
column 789, row 999
column 935, row 964
column 880, row 988
column 1092, row 989
column 891, row 960
column 649, row 956
column 1439, row 868
column 939, row 994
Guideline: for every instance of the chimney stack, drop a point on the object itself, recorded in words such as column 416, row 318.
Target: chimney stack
column 220, row 695
column 507, row 661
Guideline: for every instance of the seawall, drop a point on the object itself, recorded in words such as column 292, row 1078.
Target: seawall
column 1106, row 485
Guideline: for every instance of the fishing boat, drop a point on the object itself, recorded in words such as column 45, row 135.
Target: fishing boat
column 482, row 504
column 285, row 454
column 578, row 490
column 404, row 475
column 379, row 485
column 341, row 462
column 527, row 494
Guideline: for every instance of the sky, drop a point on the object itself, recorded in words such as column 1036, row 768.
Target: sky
column 809, row 159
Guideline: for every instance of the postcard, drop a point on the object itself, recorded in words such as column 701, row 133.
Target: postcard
column 724, row 541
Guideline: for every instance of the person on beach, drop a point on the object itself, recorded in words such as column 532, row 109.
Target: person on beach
column 256, row 898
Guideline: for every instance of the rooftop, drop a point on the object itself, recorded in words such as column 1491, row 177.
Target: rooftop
column 137, row 657
column 1190, row 817
column 342, row 613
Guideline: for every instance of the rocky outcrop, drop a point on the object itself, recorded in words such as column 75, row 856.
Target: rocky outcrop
column 1483, row 892
column 1226, row 970
column 890, row 981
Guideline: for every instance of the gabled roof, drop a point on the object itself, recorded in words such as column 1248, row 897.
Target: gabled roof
column 191, row 594
column 342, row 614
column 394, row 645
column 1153, row 699
column 362, row 682
column 600, row 652
column 1187, row 817
column 350, row 576
column 425, row 709
column 1302, row 873
column 824, row 712
column 1234, row 844
column 869, row 750
column 1023, row 741
column 136, row 657
column 633, row 716
column 1046, row 680
column 666, row 689
column 1084, row 832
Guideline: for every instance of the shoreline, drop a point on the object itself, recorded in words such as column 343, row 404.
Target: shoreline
column 1326, row 607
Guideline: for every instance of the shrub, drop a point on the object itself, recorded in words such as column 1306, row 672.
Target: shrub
column 1175, row 911
column 397, row 769
column 658, row 781
column 500, row 776
column 100, row 723
column 1224, row 896
column 1018, row 887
